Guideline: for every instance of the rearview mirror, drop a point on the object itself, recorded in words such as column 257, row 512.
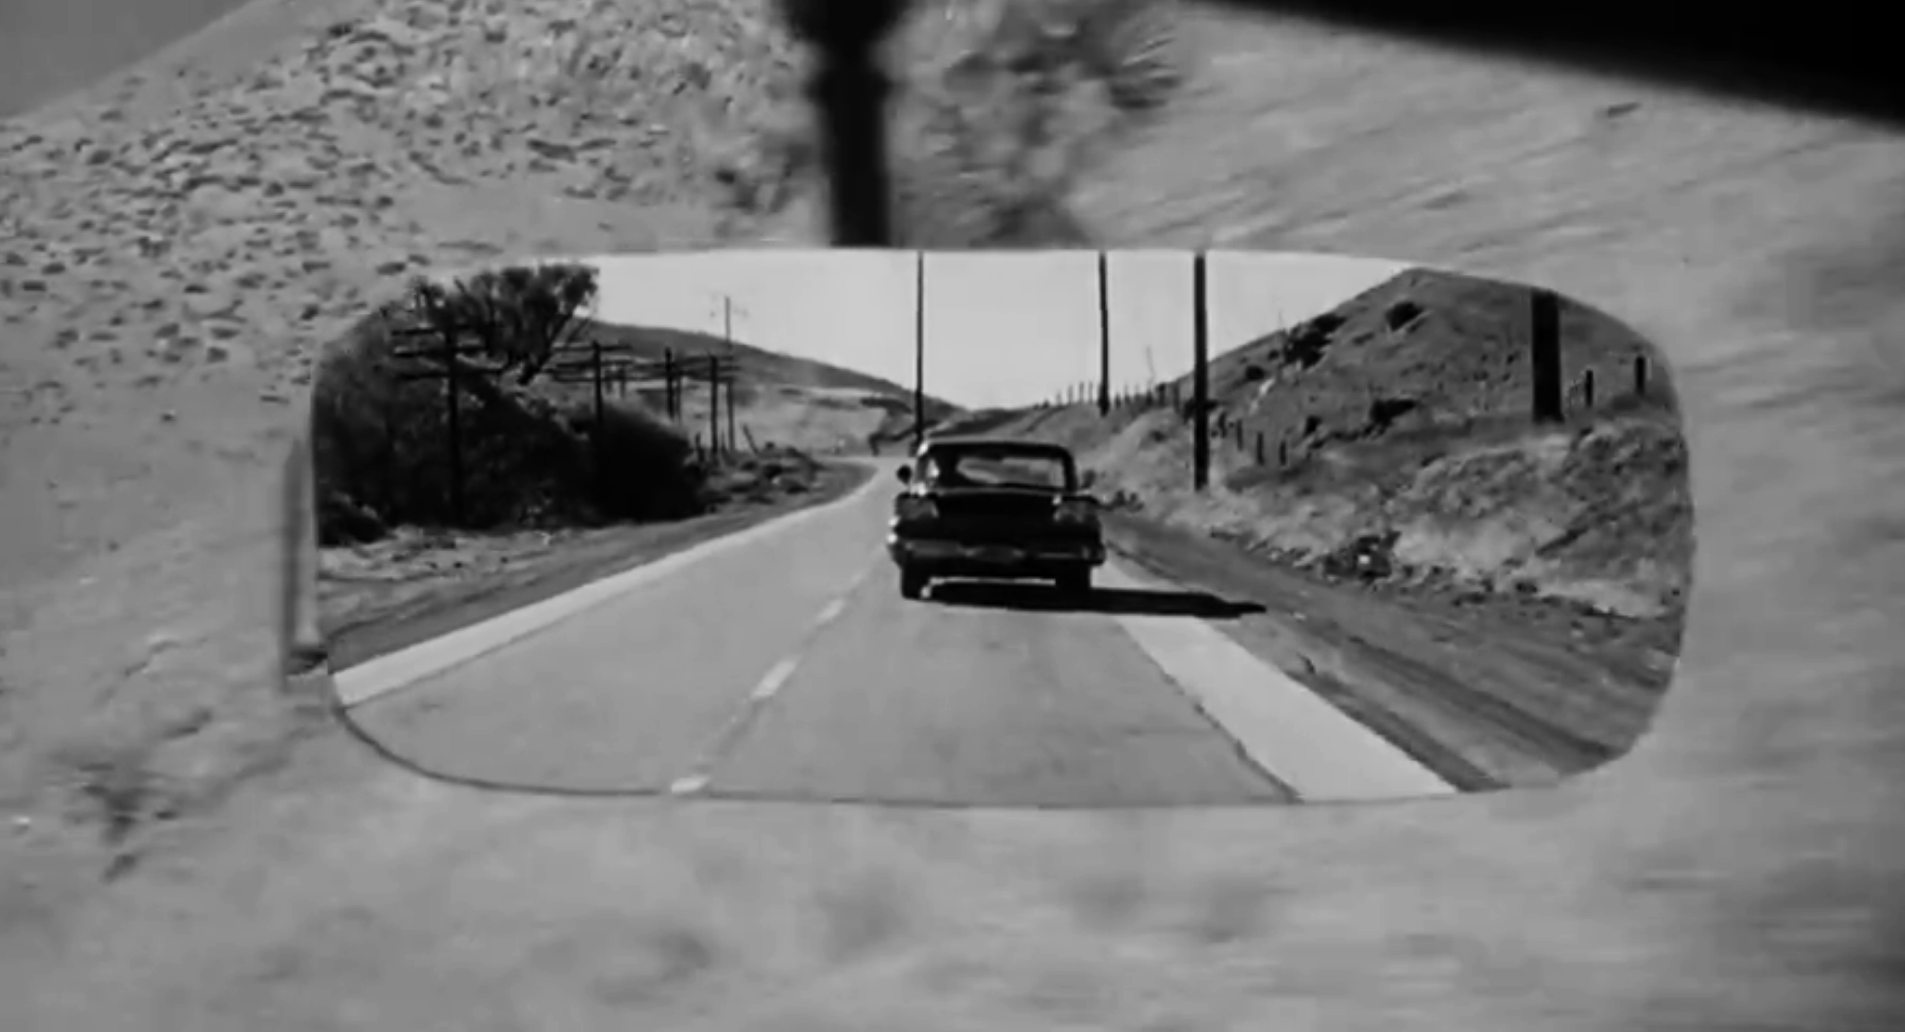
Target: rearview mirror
column 1381, row 531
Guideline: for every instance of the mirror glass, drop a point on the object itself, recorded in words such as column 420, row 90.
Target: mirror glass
column 1363, row 530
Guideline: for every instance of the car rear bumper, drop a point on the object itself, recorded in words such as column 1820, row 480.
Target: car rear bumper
column 961, row 557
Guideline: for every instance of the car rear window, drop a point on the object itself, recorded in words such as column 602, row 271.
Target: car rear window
column 999, row 467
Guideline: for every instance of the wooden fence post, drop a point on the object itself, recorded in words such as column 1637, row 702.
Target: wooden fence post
column 1544, row 342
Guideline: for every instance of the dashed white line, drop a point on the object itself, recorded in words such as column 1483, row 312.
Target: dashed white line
column 423, row 660
column 777, row 675
column 769, row 685
column 833, row 609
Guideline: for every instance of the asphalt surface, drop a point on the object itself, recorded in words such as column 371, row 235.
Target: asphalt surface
column 784, row 664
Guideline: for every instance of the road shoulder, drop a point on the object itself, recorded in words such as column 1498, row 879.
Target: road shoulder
column 1483, row 699
column 439, row 605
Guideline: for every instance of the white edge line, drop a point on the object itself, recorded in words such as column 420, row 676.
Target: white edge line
column 383, row 674
column 1303, row 740
column 688, row 785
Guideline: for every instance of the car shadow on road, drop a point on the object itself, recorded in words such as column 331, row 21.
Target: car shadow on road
column 1120, row 601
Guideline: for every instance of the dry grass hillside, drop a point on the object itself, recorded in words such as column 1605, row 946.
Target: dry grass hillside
column 193, row 844
column 783, row 399
column 1398, row 424
column 542, row 487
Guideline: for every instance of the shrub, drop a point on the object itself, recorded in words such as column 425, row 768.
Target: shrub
column 381, row 448
column 1000, row 106
column 1383, row 412
column 646, row 465
column 1401, row 314
column 1133, row 47
column 1309, row 340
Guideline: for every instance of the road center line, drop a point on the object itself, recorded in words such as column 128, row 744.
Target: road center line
column 1320, row 752
column 425, row 659
column 777, row 675
column 833, row 609
column 764, row 690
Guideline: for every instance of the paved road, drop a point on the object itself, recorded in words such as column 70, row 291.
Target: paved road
column 783, row 663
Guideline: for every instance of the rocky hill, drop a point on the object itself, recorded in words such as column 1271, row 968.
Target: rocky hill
column 1399, row 422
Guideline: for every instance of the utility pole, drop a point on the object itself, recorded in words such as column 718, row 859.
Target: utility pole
column 453, row 414
column 1104, row 335
column 1200, row 379
column 726, row 314
column 595, row 431
column 714, row 405
column 670, row 385
column 727, row 336
column 919, row 351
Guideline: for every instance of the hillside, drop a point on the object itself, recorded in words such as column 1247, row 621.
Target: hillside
column 1398, row 423
column 533, row 456
column 1427, row 351
column 549, row 496
column 793, row 401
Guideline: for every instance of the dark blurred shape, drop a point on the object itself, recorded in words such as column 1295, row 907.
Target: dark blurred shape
column 849, row 85
column 1124, row 601
column 1836, row 57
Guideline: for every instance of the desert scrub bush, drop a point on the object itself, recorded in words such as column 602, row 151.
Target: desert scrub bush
column 644, row 467
column 1136, row 50
column 617, row 93
column 1130, row 53
column 1000, row 106
column 759, row 171
column 381, row 434
column 380, row 445
column 1010, row 102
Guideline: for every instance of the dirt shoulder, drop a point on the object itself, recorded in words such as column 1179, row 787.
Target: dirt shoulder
column 1486, row 690
column 382, row 598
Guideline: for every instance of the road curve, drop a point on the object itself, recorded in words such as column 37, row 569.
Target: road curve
column 784, row 664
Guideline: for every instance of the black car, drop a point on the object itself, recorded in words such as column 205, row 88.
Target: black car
column 994, row 508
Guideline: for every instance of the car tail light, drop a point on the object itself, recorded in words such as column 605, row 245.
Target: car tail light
column 913, row 509
column 1077, row 511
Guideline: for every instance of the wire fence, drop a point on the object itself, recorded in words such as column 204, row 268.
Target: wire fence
column 1554, row 394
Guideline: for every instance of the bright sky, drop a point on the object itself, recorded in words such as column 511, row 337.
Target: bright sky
column 1002, row 328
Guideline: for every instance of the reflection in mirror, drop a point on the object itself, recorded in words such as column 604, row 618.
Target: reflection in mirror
column 1180, row 529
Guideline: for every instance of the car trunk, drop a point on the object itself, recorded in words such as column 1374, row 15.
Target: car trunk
column 998, row 514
